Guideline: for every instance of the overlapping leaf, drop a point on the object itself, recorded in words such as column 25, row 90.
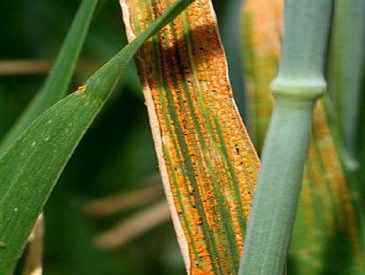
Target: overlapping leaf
column 31, row 166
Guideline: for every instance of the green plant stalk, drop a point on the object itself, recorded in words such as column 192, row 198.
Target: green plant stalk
column 347, row 70
column 299, row 83
column 30, row 167
column 56, row 84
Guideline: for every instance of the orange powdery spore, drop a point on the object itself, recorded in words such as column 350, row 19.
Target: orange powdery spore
column 207, row 160
column 80, row 89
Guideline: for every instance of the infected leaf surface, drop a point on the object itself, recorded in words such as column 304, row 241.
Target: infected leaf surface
column 206, row 158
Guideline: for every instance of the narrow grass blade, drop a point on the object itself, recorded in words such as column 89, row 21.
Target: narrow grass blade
column 30, row 167
column 124, row 201
column 39, row 67
column 206, row 158
column 327, row 231
column 346, row 70
column 57, row 82
column 135, row 226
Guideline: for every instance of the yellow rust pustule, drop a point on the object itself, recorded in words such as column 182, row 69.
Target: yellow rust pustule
column 80, row 89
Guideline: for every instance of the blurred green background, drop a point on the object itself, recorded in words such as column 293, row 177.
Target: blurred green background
column 117, row 153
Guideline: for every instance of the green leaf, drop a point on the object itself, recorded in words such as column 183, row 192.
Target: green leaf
column 346, row 71
column 31, row 166
column 59, row 79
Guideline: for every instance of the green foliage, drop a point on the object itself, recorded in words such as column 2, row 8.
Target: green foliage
column 42, row 151
column 56, row 84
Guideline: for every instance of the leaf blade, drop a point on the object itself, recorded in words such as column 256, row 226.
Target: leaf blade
column 42, row 151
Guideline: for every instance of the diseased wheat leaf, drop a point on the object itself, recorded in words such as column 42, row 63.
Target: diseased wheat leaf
column 327, row 233
column 206, row 158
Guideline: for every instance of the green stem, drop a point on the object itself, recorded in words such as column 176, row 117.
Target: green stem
column 299, row 83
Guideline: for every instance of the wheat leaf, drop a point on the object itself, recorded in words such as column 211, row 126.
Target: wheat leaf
column 206, row 158
column 30, row 167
